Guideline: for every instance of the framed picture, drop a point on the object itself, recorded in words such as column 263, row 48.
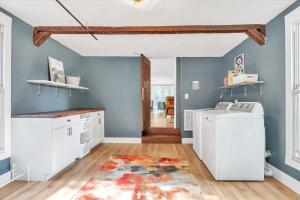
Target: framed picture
column 56, row 70
column 239, row 64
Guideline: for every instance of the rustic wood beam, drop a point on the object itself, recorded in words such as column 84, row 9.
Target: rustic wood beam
column 258, row 36
column 40, row 37
column 249, row 29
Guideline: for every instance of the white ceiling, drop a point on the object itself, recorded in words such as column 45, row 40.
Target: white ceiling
column 159, row 12
column 163, row 71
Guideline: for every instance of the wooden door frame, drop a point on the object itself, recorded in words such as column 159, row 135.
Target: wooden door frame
column 175, row 93
column 142, row 93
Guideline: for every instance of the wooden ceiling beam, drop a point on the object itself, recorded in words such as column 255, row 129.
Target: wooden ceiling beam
column 258, row 36
column 255, row 31
column 40, row 37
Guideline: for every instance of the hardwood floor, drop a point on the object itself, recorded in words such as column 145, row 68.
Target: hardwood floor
column 159, row 119
column 66, row 184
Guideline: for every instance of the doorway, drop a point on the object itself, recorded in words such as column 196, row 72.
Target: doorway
column 163, row 90
column 162, row 106
column 159, row 100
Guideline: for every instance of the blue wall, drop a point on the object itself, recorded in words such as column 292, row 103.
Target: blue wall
column 269, row 62
column 206, row 70
column 30, row 62
column 115, row 85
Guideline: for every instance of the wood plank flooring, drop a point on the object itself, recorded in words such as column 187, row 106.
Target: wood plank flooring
column 159, row 119
column 66, row 184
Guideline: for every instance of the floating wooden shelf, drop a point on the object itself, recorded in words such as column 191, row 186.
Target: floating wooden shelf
column 56, row 85
column 243, row 85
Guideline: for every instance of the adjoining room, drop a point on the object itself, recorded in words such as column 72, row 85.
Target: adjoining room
column 163, row 90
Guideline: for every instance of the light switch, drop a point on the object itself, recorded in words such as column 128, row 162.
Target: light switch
column 186, row 96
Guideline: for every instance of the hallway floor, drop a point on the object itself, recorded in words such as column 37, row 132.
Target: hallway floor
column 159, row 119
column 65, row 185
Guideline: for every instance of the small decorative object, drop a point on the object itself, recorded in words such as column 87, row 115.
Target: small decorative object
column 56, row 70
column 245, row 78
column 73, row 80
column 239, row 64
column 225, row 81
column 231, row 75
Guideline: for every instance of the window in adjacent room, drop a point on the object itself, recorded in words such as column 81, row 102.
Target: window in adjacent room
column 292, row 29
column 159, row 94
column 5, row 86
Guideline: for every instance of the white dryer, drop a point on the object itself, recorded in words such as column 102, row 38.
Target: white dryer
column 197, row 125
column 234, row 142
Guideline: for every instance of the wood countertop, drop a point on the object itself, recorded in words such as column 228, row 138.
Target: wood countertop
column 57, row 114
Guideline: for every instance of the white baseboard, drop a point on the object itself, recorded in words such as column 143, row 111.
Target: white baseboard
column 122, row 140
column 5, row 178
column 186, row 140
column 285, row 179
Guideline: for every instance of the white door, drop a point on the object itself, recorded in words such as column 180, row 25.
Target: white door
column 59, row 149
column 5, row 86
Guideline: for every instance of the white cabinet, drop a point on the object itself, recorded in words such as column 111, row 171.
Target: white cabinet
column 45, row 146
column 65, row 146
column 97, row 128
column 59, row 149
column 74, row 142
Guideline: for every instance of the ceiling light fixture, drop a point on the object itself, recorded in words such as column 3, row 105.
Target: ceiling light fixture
column 138, row 3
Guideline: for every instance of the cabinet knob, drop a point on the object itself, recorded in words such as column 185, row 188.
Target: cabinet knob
column 68, row 120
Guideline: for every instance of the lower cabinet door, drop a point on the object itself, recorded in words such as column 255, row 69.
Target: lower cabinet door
column 95, row 132
column 59, row 149
column 73, row 142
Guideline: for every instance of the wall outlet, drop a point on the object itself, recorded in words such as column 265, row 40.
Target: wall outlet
column 186, row 96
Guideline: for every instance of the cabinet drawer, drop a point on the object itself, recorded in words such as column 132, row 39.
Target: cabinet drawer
column 65, row 121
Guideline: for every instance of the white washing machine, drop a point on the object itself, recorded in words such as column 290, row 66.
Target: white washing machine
column 197, row 125
column 234, row 142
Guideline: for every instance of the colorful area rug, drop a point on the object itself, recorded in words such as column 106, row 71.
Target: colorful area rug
column 127, row 177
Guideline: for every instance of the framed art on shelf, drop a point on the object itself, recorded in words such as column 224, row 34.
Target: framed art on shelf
column 239, row 64
column 56, row 70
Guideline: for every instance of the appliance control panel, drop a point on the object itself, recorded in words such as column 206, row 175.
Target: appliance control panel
column 250, row 107
column 223, row 106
